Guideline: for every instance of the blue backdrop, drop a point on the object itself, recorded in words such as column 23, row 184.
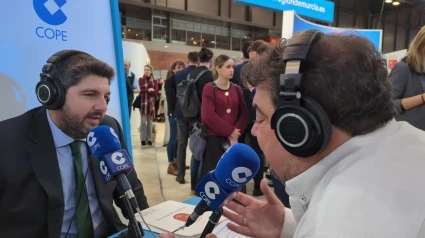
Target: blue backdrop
column 374, row 36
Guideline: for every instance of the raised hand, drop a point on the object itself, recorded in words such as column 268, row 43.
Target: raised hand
column 257, row 218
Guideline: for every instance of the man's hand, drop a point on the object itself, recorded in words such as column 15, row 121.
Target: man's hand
column 257, row 218
column 150, row 89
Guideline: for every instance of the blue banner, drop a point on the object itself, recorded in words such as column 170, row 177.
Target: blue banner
column 316, row 9
column 50, row 26
column 373, row 35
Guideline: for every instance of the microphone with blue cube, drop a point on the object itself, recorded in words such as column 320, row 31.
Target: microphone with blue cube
column 115, row 163
column 235, row 169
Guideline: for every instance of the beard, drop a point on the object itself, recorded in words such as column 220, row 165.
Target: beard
column 73, row 124
column 289, row 171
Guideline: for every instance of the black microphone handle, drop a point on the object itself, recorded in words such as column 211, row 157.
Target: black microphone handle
column 134, row 228
column 126, row 188
column 197, row 212
column 212, row 222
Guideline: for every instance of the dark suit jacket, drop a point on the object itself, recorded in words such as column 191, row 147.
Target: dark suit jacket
column 31, row 194
column 407, row 83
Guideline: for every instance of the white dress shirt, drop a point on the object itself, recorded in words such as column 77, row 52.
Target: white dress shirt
column 371, row 186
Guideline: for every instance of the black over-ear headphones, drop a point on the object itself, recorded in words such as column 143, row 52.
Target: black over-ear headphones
column 50, row 91
column 300, row 123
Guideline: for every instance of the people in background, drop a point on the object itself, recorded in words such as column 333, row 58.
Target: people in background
column 148, row 92
column 408, row 81
column 159, row 103
column 132, row 85
column 170, row 102
column 223, row 112
column 205, row 58
column 183, row 126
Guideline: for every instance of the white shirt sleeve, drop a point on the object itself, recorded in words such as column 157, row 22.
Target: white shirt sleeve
column 289, row 224
column 136, row 83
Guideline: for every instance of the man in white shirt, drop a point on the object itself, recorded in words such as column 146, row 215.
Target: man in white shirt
column 357, row 172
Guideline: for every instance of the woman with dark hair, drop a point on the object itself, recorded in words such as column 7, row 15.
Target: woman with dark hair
column 169, row 108
column 223, row 112
column 148, row 91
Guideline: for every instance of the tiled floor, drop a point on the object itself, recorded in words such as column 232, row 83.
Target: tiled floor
column 151, row 165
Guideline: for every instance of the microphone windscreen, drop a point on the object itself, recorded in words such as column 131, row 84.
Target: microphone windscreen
column 103, row 140
column 237, row 167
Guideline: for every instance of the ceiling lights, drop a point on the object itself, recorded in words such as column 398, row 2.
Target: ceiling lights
column 396, row 3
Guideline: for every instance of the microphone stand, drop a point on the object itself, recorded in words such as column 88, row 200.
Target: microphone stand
column 135, row 229
column 212, row 222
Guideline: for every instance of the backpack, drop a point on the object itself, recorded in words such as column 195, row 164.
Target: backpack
column 187, row 96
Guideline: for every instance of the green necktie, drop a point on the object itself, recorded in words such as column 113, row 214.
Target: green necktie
column 82, row 211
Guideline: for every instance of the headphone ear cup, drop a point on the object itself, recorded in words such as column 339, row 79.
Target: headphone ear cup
column 298, row 128
column 61, row 95
column 322, row 118
column 50, row 93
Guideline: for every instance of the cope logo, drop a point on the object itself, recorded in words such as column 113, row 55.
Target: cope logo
column 91, row 141
column 50, row 11
column 240, row 175
column 104, row 170
column 119, row 159
column 211, row 190
column 116, row 139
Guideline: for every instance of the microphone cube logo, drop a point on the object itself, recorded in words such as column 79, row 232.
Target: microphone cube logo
column 117, row 162
column 240, row 175
column 91, row 141
column 116, row 139
column 211, row 189
column 104, row 169
column 118, row 158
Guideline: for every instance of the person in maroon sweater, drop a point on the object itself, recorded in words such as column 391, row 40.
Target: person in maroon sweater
column 223, row 112
column 148, row 91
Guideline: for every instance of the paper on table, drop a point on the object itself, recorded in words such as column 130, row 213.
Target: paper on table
column 221, row 231
column 170, row 215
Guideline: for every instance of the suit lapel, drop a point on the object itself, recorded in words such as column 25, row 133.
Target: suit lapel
column 44, row 161
column 103, row 191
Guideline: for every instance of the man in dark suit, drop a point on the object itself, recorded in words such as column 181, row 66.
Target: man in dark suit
column 45, row 164
column 183, row 125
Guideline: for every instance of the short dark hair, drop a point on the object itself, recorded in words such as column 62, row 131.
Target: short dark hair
column 345, row 74
column 192, row 57
column 205, row 55
column 259, row 46
column 245, row 51
column 71, row 70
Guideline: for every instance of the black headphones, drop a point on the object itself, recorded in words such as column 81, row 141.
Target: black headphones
column 300, row 123
column 51, row 92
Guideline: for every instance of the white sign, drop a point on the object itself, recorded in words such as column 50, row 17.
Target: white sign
column 50, row 26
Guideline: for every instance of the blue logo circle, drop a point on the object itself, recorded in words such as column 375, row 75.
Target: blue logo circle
column 50, row 11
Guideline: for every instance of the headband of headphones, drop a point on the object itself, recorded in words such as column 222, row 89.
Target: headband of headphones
column 295, row 53
column 57, row 57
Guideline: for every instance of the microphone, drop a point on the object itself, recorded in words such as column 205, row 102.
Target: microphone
column 236, row 167
column 115, row 162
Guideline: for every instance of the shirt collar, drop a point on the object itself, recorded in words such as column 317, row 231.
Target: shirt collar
column 129, row 74
column 61, row 139
column 303, row 186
